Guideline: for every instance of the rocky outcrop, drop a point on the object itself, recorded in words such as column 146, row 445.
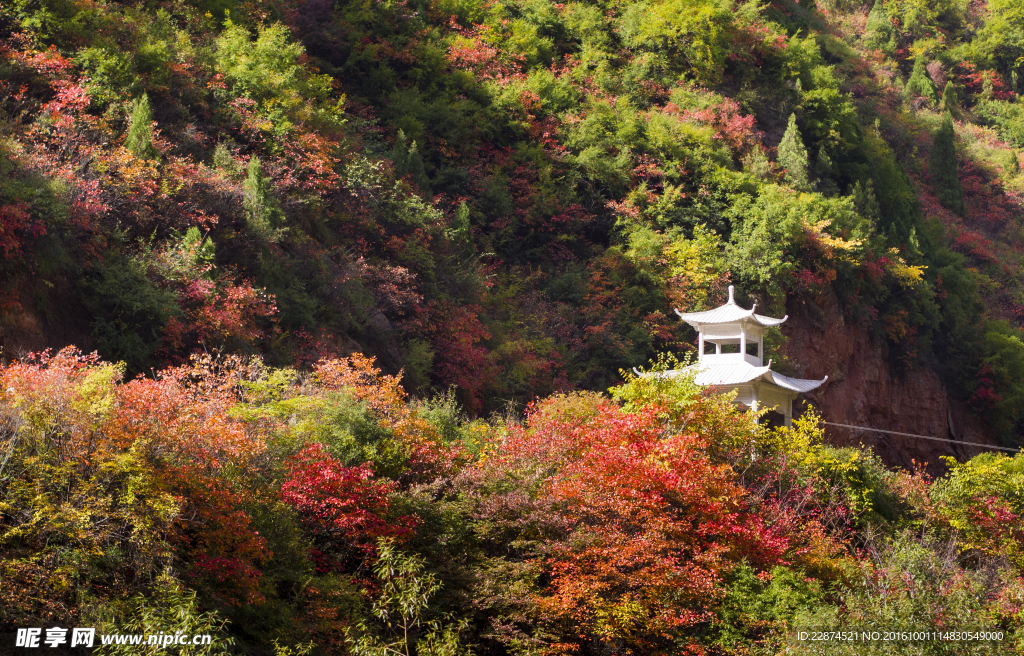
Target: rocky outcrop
column 865, row 389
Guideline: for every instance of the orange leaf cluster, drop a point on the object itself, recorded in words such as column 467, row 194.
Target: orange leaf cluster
column 643, row 525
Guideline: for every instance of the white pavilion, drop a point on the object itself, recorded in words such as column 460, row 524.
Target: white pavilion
column 737, row 362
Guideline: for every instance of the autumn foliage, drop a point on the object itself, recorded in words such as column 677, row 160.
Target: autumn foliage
column 644, row 525
column 343, row 507
column 637, row 523
column 327, row 252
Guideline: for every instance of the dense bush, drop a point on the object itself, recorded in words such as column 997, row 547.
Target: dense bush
column 326, row 513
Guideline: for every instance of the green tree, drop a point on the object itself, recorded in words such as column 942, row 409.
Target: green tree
column 405, row 593
column 878, row 32
column 950, row 100
column 865, row 201
column 1000, row 41
column 172, row 610
column 263, row 212
column 1004, row 357
column 943, row 167
column 408, row 162
column 140, row 132
column 793, row 156
column 769, row 242
column 1011, row 165
column 824, row 168
column 461, row 233
column 920, row 83
column 985, row 476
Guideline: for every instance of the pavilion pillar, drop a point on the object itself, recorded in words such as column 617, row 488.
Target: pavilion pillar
column 700, row 346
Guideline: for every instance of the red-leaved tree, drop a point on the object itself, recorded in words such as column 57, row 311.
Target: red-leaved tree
column 344, row 508
column 639, row 528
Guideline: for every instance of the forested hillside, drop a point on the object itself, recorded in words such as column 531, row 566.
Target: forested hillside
column 326, row 252
column 510, row 198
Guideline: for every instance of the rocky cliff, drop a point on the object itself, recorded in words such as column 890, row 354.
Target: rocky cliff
column 865, row 389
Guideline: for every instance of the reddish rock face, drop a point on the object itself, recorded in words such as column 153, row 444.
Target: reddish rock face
column 866, row 389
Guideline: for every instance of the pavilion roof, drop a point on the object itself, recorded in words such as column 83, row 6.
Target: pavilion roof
column 728, row 313
column 725, row 374
column 737, row 373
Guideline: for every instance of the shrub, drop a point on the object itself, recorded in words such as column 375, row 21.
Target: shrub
column 911, row 585
column 984, row 499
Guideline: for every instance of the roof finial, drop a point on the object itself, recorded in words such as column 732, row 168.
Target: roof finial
column 732, row 301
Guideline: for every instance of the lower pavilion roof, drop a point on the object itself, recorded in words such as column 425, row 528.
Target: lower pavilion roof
column 737, row 373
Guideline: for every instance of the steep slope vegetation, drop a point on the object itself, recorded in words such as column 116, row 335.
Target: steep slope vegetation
column 511, row 198
column 233, row 201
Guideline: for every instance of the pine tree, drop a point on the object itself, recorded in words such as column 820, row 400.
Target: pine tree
column 400, row 153
column 865, row 201
column 950, row 101
column 793, row 156
column 1011, row 165
column 408, row 162
column 920, row 83
column 140, row 134
column 201, row 248
column 263, row 212
column 943, row 167
column 461, row 232
column 757, row 163
column 415, row 170
column 824, row 169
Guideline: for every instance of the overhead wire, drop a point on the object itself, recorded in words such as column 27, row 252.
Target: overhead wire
column 923, row 437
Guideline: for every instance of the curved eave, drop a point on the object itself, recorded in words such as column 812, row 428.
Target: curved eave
column 798, row 385
column 728, row 314
column 726, row 375
column 769, row 322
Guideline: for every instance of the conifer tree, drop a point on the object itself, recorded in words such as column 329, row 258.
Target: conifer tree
column 408, row 162
column 943, row 167
column 793, row 156
column 758, row 164
column 1011, row 165
column 140, row 134
column 263, row 212
column 461, row 232
column 920, row 83
column 950, row 101
column 865, row 201
column 824, row 169
column 414, row 167
column 400, row 153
